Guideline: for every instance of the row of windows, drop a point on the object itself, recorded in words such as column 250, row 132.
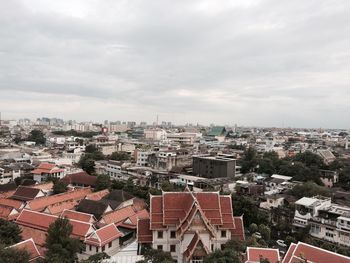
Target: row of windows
column 172, row 248
column 102, row 249
column 173, row 234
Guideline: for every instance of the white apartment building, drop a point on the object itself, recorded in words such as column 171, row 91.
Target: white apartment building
column 155, row 134
column 142, row 158
column 186, row 138
column 330, row 222
column 114, row 169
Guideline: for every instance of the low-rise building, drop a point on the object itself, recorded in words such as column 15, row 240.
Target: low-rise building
column 327, row 221
column 214, row 166
column 189, row 225
column 45, row 170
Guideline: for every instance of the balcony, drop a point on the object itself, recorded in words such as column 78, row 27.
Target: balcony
column 323, row 221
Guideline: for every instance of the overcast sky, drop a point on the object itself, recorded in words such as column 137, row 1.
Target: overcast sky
column 250, row 62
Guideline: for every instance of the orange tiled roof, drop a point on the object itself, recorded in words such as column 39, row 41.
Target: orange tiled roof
column 30, row 247
column 41, row 203
column 42, row 221
column 192, row 246
column 238, row 232
column 118, row 215
column 39, row 236
column 80, row 216
column 56, row 209
column 13, row 203
column 43, row 186
column 8, row 212
column 305, row 252
column 97, row 195
column 104, row 235
column 255, row 254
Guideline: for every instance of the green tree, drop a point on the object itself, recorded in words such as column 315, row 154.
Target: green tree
column 102, row 182
column 118, row 184
column 253, row 228
column 236, row 245
column 37, row 136
column 61, row 248
column 13, row 255
column 10, row 233
column 222, row 256
column 59, row 187
column 120, row 156
column 87, row 164
column 156, row 256
column 249, row 160
column 309, row 189
column 309, row 159
column 265, row 232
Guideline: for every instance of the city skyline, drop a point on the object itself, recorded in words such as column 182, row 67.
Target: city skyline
column 257, row 63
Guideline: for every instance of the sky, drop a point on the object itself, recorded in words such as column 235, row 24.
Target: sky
column 265, row 63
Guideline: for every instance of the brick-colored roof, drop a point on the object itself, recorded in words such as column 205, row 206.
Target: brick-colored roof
column 10, row 202
column 30, row 247
column 43, row 186
column 97, row 195
column 25, row 193
column 46, row 168
column 121, row 215
column 144, row 234
column 104, row 235
column 238, row 232
column 6, row 211
column 255, row 254
column 41, row 203
column 57, row 209
column 178, row 209
column 39, row 236
column 42, row 221
column 304, row 252
column 82, row 178
column 80, row 216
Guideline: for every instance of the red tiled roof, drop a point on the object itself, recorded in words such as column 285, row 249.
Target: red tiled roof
column 41, row 203
column 47, row 168
column 238, row 232
column 30, row 247
column 121, row 215
column 255, row 254
column 303, row 251
column 97, row 195
column 42, row 221
column 39, row 236
column 5, row 212
column 82, row 178
column 177, row 209
column 144, row 234
column 10, row 202
column 43, row 186
column 80, row 216
column 104, row 235
column 56, row 209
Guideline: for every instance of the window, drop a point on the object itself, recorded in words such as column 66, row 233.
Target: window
column 223, row 233
column 222, row 246
column 160, row 247
column 103, row 248
column 110, row 244
column 90, row 247
column 212, row 247
column 160, row 234
column 172, row 234
column 172, row 248
column 96, row 249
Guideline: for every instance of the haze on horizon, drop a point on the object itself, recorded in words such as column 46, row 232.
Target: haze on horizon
column 250, row 62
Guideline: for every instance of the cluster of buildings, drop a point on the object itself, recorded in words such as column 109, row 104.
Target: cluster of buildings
column 200, row 159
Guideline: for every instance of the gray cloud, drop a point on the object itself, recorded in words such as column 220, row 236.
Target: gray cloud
column 252, row 62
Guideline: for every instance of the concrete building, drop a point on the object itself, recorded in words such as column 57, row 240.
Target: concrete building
column 327, row 221
column 214, row 166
